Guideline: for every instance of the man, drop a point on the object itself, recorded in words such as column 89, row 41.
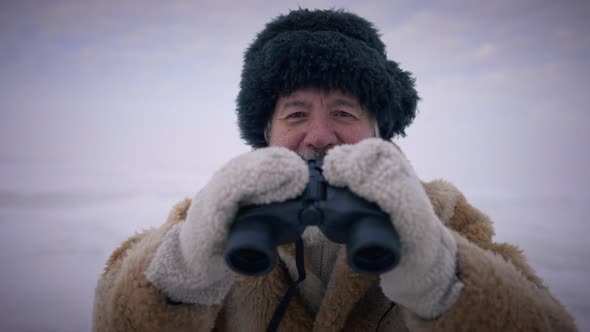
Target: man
column 318, row 84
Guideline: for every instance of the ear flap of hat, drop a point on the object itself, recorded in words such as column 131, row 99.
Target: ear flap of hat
column 402, row 105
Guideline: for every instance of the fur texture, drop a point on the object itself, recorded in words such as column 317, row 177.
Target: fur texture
column 424, row 280
column 327, row 49
column 189, row 265
column 501, row 291
column 320, row 256
column 123, row 289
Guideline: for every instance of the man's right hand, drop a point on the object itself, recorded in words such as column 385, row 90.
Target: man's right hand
column 189, row 266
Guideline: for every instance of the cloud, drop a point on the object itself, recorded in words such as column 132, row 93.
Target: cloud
column 486, row 50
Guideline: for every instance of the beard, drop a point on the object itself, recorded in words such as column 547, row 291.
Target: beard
column 313, row 154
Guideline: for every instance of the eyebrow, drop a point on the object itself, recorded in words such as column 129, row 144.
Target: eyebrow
column 293, row 103
column 334, row 103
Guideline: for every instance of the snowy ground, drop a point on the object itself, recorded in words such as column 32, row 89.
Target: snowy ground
column 55, row 239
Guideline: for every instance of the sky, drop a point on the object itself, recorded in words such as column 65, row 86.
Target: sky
column 110, row 105
column 134, row 83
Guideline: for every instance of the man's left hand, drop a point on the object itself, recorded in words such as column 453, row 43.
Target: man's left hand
column 425, row 279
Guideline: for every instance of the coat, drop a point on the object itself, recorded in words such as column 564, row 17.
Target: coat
column 501, row 291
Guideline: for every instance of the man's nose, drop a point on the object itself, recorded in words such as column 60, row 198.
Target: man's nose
column 320, row 134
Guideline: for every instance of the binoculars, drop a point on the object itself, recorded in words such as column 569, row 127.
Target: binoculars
column 371, row 241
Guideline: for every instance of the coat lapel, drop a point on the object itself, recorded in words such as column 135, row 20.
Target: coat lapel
column 345, row 289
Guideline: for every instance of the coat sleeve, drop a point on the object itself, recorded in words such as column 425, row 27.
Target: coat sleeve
column 126, row 301
column 501, row 290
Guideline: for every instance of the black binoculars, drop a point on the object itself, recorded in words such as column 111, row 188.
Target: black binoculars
column 371, row 241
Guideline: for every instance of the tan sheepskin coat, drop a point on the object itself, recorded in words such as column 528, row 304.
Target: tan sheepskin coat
column 501, row 291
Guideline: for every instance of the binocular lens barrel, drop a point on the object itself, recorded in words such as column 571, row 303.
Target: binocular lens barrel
column 251, row 248
column 373, row 246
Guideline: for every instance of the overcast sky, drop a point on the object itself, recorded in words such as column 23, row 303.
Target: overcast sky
column 112, row 98
column 152, row 85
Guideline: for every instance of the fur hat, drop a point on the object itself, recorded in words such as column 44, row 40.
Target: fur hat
column 327, row 49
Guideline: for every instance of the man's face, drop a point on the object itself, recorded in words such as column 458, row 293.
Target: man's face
column 311, row 121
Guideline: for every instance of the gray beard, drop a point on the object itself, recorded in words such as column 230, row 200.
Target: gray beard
column 313, row 154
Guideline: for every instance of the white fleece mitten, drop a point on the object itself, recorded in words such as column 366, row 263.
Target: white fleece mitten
column 424, row 281
column 189, row 266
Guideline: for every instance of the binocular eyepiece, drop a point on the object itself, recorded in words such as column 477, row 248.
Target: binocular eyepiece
column 371, row 241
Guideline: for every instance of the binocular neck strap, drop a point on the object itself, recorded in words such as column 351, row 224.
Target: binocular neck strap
column 282, row 307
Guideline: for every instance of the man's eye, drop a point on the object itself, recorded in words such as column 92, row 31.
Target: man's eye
column 343, row 114
column 296, row 115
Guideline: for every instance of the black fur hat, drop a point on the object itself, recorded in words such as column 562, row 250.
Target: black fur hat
column 328, row 49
